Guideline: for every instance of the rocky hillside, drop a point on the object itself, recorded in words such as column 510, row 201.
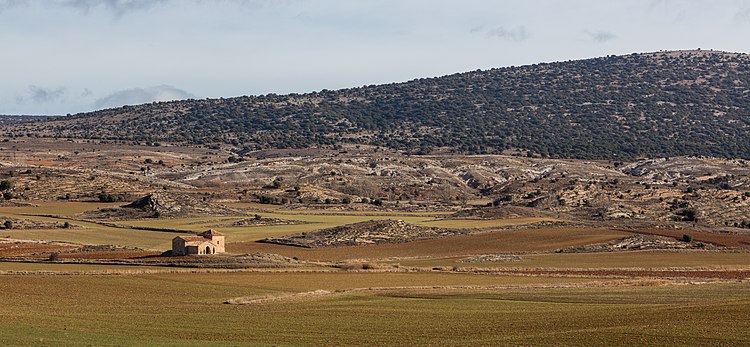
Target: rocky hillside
column 160, row 205
column 616, row 107
column 364, row 233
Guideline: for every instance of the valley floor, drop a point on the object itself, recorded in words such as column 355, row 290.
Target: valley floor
column 506, row 285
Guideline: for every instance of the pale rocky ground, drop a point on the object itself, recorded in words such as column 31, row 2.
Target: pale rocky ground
column 646, row 191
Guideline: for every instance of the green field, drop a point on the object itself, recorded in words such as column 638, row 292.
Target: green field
column 188, row 309
column 96, row 234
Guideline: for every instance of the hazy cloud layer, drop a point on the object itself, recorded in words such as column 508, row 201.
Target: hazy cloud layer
column 122, row 7
column 518, row 33
column 743, row 13
column 39, row 95
column 6, row 4
column 141, row 96
column 117, row 7
column 600, row 36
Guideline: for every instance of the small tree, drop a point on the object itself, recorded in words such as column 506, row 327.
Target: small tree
column 687, row 238
column 688, row 214
column 66, row 225
column 8, row 224
column 5, row 185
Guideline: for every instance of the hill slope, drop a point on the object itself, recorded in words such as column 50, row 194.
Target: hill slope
column 655, row 104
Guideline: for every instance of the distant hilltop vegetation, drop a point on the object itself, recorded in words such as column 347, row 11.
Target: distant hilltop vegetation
column 617, row 107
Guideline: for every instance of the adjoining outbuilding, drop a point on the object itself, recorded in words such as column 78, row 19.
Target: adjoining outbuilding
column 208, row 242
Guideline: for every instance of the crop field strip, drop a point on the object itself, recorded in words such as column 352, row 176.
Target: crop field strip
column 138, row 308
column 94, row 233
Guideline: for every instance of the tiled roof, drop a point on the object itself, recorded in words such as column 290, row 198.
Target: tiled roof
column 192, row 238
column 210, row 233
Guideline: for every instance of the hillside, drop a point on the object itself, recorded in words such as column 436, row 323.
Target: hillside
column 618, row 107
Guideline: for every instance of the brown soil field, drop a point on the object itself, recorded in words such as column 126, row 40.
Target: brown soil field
column 529, row 240
column 693, row 274
column 109, row 255
column 724, row 240
column 30, row 249
column 632, row 260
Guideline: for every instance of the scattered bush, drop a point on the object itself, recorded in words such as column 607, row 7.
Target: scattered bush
column 687, row 238
column 105, row 197
column 688, row 215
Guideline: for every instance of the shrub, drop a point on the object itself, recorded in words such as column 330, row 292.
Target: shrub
column 688, row 214
column 8, row 224
column 104, row 197
column 54, row 256
column 66, row 225
column 687, row 238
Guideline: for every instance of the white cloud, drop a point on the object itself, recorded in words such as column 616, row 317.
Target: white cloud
column 39, row 95
column 141, row 96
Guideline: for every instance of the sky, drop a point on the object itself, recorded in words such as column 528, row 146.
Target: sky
column 69, row 56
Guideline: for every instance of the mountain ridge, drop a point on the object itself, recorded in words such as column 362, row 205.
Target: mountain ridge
column 656, row 104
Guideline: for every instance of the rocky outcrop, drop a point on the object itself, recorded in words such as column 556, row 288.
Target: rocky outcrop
column 638, row 243
column 365, row 233
column 159, row 205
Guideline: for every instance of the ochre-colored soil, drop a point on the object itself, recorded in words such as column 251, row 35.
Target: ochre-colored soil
column 697, row 274
column 109, row 255
column 30, row 249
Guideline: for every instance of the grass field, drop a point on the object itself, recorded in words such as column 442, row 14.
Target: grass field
column 188, row 309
